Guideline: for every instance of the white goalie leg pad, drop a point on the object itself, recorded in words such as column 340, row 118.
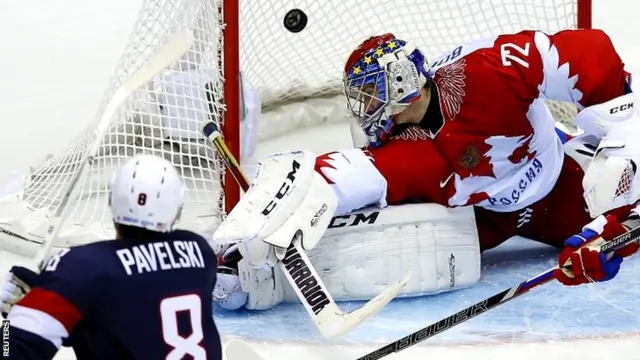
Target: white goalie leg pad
column 599, row 120
column 611, row 179
column 362, row 252
column 286, row 196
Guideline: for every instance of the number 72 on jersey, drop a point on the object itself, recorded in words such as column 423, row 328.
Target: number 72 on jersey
column 511, row 53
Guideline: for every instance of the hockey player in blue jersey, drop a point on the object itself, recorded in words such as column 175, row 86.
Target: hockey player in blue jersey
column 145, row 295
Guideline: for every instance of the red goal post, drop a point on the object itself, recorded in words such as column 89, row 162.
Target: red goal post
column 585, row 17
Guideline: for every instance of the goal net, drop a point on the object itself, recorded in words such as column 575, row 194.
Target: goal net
column 297, row 76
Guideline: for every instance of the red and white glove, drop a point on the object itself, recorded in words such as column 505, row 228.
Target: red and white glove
column 582, row 262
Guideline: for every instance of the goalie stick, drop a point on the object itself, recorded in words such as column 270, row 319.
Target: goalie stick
column 329, row 319
column 176, row 46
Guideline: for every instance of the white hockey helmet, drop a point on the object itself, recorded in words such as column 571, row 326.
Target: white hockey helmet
column 146, row 192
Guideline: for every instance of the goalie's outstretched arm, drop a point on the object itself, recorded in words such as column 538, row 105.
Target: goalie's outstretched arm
column 403, row 171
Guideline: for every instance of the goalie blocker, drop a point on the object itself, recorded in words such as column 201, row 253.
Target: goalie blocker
column 360, row 253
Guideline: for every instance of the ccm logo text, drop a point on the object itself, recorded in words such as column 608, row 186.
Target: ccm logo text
column 284, row 188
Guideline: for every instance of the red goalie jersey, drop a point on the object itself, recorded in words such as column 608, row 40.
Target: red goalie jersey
column 487, row 138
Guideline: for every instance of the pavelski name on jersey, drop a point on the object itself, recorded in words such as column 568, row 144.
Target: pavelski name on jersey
column 161, row 256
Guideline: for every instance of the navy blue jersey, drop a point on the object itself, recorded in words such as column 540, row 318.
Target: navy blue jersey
column 123, row 299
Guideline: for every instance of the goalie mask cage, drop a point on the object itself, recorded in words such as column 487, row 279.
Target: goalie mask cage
column 289, row 69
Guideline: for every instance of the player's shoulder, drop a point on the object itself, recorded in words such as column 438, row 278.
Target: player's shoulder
column 479, row 54
column 81, row 261
column 101, row 256
column 475, row 62
column 88, row 252
column 496, row 74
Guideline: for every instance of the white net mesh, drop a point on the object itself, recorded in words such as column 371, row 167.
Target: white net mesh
column 286, row 65
column 163, row 117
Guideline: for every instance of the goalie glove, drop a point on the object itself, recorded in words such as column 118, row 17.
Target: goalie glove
column 581, row 261
column 17, row 282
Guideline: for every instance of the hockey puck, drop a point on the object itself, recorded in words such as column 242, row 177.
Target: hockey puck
column 295, row 20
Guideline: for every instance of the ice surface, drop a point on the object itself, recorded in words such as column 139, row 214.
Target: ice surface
column 550, row 313
column 53, row 76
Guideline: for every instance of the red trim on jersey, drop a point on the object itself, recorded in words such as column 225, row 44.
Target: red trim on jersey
column 53, row 304
column 324, row 161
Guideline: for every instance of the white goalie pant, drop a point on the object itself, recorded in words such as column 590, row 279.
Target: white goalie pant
column 363, row 252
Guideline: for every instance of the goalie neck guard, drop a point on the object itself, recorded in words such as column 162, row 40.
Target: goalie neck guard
column 381, row 78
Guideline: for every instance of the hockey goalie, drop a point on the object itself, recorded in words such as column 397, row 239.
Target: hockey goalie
column 460, row 155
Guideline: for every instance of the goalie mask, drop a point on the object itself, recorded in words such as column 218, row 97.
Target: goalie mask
column 381, row 78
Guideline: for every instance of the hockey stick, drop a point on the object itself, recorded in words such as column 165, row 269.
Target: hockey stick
column 300, row 273
column 489, row 303
column 176, row 46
